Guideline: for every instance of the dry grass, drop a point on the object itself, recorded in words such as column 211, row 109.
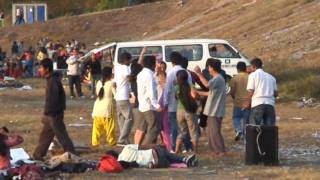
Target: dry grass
column 21, row 112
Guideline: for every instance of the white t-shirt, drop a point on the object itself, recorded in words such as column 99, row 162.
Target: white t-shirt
column 264, row 85
column 131, row 153
column 121, row 73
column 147, row 91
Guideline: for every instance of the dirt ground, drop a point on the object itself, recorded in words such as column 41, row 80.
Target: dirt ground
column 299, row 150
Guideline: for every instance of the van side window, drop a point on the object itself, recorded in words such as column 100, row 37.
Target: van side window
column 135, row 52
column 222, row 51
column 192, row 52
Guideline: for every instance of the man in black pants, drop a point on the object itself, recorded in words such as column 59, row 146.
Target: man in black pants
column 74, row 74
column 55, row 104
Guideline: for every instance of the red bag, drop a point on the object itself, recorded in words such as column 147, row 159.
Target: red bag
column 109, row 164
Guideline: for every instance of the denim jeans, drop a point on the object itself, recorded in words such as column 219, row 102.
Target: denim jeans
column 263, row 114
column 174, row 132
column 240, row 119
column 165, row 158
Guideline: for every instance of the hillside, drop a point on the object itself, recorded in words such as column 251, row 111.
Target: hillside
column 284, row 33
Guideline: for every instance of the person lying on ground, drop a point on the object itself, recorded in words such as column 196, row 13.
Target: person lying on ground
column 154, row 156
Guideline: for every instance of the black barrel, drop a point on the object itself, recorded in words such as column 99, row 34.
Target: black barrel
column 261, row 145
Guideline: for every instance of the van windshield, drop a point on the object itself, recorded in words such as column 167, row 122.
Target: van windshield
column 192, row 52
column 222, row 51
column 136, row 51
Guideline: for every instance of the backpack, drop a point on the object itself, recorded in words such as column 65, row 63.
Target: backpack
column 109, row 164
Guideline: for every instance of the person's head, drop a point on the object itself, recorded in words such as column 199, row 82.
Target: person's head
column 182, row 77
column 184, row 93
column 149, row 62
column 163, row 66
column 184, row 62
column 106, row 76
column 136, row 68
column 214, row 66
column 256, row 63
column 46, row 67
column 4, row 130
column 241, row 67
column 75, row 52
column 213, row 49
column 125, row 58
column 175, row 58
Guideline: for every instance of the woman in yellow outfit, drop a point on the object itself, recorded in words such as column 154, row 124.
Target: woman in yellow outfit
column 103, row 110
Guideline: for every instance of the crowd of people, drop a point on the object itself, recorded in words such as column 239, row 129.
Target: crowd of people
column 23, row 62
column 162, row 104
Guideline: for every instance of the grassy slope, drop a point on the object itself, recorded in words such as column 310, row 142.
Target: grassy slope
column 284, row 33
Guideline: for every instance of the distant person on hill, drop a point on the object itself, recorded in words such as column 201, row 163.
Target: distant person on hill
column 55, row 105
column 239, row 95
column 19, row 17
column 263, row 91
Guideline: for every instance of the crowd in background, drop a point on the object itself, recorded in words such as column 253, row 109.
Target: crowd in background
column 23, row 62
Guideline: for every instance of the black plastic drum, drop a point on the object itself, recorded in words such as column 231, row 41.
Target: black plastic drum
column 261, row 145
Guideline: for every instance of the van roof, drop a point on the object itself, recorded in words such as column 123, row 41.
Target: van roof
column 173, row 42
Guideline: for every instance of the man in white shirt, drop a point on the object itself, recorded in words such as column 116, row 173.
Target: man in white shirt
column 124, row 112
column 170, row 97
column 263, row 90
column 148, row 100
column 74, row 74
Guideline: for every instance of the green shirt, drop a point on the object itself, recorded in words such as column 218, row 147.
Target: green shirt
column 179, row 103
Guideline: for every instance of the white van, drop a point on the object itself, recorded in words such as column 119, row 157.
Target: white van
column 197, row 51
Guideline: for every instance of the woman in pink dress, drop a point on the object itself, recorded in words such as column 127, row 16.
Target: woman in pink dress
column 164, row 119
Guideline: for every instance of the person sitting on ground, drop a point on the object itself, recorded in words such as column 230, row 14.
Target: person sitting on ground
column 6, row 142
column 103, row 111
column 154, row 156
